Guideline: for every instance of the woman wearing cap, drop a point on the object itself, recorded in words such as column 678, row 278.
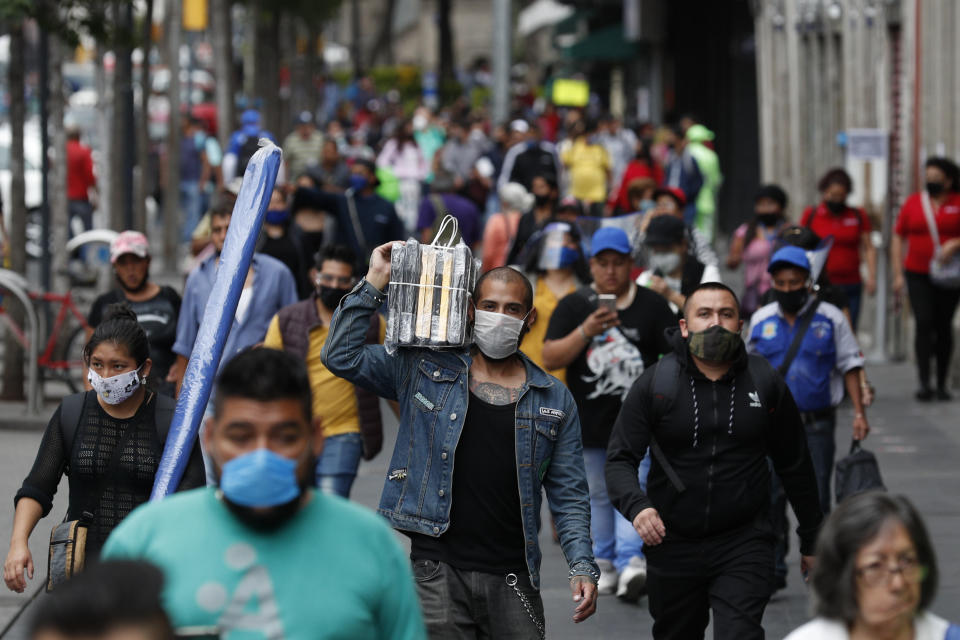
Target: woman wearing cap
column 642, row 167
column 850, row 229
column 752, row 244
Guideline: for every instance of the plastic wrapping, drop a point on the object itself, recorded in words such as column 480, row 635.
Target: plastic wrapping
column 430, row 287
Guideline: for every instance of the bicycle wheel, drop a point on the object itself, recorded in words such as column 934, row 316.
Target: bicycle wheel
column 70, row 350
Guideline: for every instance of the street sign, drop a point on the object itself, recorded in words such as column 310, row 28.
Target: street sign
column 867, row 144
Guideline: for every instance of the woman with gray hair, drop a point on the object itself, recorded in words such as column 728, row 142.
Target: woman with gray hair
column 501, row 229
column 876, row 574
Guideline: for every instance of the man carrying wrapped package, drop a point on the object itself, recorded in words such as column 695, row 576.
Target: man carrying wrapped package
column 507, row 428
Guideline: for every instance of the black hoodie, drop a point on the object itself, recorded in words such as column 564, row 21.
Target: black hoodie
column 719, row 456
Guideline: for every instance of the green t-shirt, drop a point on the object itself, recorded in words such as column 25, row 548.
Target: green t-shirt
column 335, row 570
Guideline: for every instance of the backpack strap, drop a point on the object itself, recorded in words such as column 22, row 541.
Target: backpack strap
column 666, row 381
column 163, row 416
column 803, row 324
column 70, row 409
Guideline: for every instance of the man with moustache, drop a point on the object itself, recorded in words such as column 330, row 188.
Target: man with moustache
column 264, row 552
column 157, row 307
column 483, row 431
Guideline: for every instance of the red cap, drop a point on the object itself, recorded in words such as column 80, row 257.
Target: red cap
column 676, row 193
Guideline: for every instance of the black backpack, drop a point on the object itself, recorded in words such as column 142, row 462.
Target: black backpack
column 666, row 382
column 72, row 406
column 249, row 147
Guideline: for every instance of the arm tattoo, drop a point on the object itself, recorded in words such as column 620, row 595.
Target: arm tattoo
column 493, row 393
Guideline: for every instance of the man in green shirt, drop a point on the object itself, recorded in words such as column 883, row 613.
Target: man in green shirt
column 263, row 554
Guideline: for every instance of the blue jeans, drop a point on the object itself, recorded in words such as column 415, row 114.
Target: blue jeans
column 337, row 465
column 854, row 294
column 191, row 203
column 614, row 537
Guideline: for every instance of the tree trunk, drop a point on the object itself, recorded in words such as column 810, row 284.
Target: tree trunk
column 382, row 49
column 59, row 220
column 267, row 67
column 13, row 354
column 446, row 74
column 355, row 49
column 142, row 188
column 172, row 218
column 117, row 160
column 104, row 87
column 223, row 68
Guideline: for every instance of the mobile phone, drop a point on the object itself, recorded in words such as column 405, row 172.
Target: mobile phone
column 607, row 300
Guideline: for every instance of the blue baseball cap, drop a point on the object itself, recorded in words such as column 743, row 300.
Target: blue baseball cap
column 250, row 116
column 789, row 256
column 610, row 238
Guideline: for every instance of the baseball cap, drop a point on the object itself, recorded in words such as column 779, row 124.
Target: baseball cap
column 250, row 116
column 789, row 257
column 305, row 117
column 570, row 204
column 610, row 238
column 129, row 242
column 520, row 126
column 674, row 192
column 664, row 230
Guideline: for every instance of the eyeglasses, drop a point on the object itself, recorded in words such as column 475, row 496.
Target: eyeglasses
column 329, row 280
column 879, row 573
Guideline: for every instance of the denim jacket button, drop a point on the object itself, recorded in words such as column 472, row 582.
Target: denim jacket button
column 443, row 456
column 436, row 529
column 440, row 493
column 436, row 374
column 453, row 416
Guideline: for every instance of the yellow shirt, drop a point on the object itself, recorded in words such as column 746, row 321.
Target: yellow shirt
column 334, row 398
column 589, row 166
column 532, row 344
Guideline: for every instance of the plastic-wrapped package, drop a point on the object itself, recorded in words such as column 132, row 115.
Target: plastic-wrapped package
column 429, row 291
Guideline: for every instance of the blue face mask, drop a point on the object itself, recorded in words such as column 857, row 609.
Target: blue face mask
column 568, row 256
column 278, row 216
column 260, row 479
column 358, row 182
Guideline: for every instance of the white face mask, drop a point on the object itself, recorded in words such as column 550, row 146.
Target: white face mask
column 665, row 263
column 497, row 335
column 115, row 389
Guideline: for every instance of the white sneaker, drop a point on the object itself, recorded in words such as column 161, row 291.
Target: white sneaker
column 608, row 577
column 632, row 584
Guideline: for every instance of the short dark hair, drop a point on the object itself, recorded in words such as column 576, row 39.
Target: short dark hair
column 838, row 176
column 773, row 192
column 506, row 274
column 852, row 525
column 949, row 169
column 105, row 596
column 336, row 253
column 711, row 286
column 221, row 209
column 121, row 327
column 264, row 375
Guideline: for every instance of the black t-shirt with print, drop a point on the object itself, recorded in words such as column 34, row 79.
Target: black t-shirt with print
column 157, row 316
column 604, row 371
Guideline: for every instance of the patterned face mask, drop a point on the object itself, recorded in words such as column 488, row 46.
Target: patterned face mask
column 716, row 344
column 115, row 389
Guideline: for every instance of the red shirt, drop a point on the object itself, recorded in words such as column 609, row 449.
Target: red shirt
column 843, row 263
column 79, row 171
column 912, row 226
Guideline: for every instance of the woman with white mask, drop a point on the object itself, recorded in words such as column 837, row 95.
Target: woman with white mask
column 108, row 440
column 671, row 270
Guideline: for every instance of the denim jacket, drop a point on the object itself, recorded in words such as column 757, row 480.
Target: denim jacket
column 432, row 389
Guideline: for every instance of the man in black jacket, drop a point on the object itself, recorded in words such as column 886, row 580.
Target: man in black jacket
column 711, row 415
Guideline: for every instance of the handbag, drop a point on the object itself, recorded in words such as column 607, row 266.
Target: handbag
column 68, row 540
column 856, row 473
column 946, row 274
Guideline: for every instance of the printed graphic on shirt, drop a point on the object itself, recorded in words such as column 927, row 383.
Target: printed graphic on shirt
column 769, row 331
column 252, row 606
column 754, row 399
column 614, row 364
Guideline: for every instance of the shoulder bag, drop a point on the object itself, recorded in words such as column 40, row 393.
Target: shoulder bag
column 942, row 274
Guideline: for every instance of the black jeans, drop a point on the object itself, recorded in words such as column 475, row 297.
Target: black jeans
column 933, row 309
column 458, row 605
column 730, row 574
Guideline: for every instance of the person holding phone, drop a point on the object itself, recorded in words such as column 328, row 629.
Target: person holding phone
column 606, row 334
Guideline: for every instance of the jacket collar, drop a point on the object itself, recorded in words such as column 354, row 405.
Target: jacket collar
column 536, row 377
